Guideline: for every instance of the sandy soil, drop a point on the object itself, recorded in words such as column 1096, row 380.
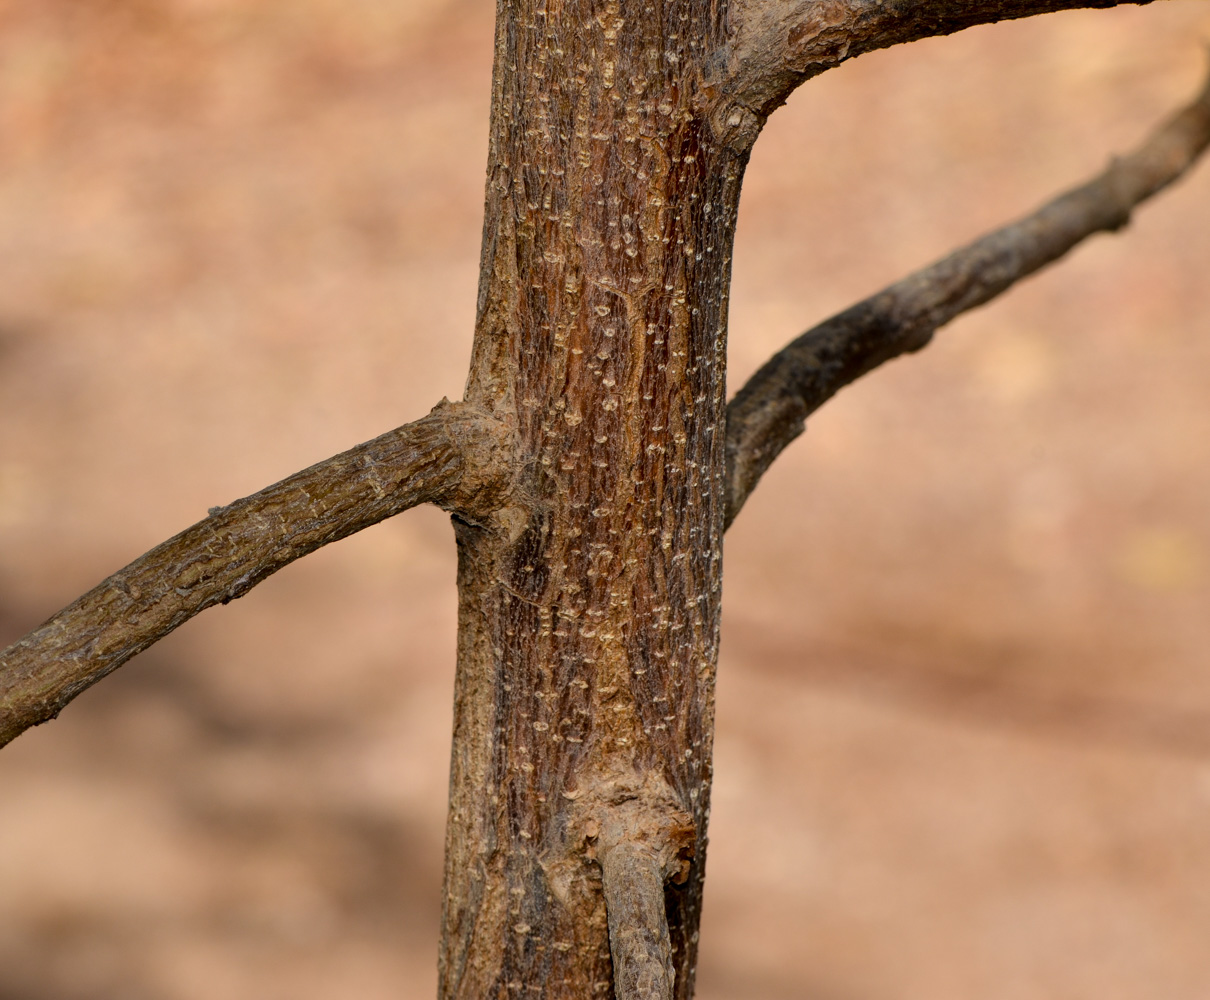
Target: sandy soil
column 964, row 716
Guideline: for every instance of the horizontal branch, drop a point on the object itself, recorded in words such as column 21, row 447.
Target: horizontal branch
column 455, row 457
column 775, row 45
column 769, row 411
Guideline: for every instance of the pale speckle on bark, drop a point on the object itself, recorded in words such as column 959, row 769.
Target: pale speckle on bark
column 593, row 467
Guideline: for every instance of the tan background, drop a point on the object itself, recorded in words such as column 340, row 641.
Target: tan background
column 964, row 700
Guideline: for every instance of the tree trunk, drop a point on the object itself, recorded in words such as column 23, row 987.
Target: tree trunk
column 593, row 465
column 589, row 608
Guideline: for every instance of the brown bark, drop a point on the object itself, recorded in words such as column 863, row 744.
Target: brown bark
column 455, row 457
column 769, row 411
column 590, row 612
column 587, row 470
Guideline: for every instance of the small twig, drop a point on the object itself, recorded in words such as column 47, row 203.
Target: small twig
column 770, row 410
column 455, row 457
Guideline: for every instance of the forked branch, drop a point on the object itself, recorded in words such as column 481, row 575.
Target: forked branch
column 775, row 45
column 455, row 457
column 769, row 411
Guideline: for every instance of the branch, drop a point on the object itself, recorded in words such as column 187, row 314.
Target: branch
column 776, row 45
column 455, row 457
column 643, row 840
column 769, row 411
column 632, row 880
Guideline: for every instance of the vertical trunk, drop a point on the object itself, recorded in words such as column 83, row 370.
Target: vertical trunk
column 590, row 609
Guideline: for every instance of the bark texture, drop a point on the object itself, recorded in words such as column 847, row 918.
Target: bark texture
column 590, row 609
column 455, row 457
column 593, row 466
column 769, row 411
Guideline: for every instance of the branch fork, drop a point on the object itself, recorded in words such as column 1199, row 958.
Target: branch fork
column 775, row 46
column 552, row 628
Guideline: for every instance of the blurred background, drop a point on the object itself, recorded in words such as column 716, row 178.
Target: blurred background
column 964, row 698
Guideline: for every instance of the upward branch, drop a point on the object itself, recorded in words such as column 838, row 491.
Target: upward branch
column 455, row 457
column 769, row 411
column 776, row 45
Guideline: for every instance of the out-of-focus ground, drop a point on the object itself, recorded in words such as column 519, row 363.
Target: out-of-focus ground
column 964, row 699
